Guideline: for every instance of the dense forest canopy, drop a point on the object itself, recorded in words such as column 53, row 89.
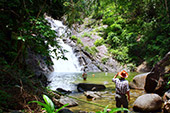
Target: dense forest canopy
column 138, row 30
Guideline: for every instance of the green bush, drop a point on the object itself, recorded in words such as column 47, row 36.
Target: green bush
column 73, row 37
column 99, row 42
column 121, row 54
column 104, row 60
column 92, row 50
column 87, row 35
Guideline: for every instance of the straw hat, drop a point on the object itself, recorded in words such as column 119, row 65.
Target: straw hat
column 123, row 74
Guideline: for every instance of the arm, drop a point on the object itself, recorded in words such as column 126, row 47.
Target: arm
column 128, row 93
column 116, row 75
column 114, row 78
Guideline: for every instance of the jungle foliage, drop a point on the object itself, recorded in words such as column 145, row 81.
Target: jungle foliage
column 138, row 30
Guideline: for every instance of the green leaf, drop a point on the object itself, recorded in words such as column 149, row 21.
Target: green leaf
column 20, row 38
column 47, row 108
column 118, row 109
column 49, row 102
column 105, row 109
column 61, row 107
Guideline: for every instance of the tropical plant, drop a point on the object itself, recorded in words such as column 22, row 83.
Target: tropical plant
column 112, row 110
column 48, row 106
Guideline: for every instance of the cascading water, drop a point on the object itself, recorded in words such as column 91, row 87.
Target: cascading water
column 65, row 71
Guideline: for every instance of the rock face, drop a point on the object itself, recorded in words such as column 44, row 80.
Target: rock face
column 138, row 81
column 148, row 103
column 90, row 87
column 100, row 61
column 37, row 64
column 156, row 79
column 92, row 63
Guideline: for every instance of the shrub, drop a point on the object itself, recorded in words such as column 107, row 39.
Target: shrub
column 87, row 35
column 91, row 50
column 73, row 37
column 99, row 42
column 104, row 60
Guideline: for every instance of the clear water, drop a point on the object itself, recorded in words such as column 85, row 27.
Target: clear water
column 68, row 80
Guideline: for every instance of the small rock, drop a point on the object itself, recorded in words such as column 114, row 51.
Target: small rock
column 166, row 107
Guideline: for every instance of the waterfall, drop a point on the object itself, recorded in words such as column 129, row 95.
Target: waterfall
column 65, row 71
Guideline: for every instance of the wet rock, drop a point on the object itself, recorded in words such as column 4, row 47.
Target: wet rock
column 166, row 96
column 148, row 103
column 166, row 107
column 65, row 110
column 90, row 87
column 64, row 100
column 63, row 91
column 93, row 94
column 138, row 81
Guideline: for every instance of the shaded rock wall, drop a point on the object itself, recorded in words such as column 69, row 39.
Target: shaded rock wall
column 156, row 79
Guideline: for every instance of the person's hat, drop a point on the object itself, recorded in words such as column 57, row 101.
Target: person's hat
column 123, row 74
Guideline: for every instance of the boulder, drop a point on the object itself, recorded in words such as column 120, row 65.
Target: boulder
column 90, row 87
column 156, row 79
column 94, row 94
column 143, row 68
column 65, row 100
column 138, row 81
column 65, row 110
column 166, row 107
column 166, row 96
column 148, row 103
column 63, row 91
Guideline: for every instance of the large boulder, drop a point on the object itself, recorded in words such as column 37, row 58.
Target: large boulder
column 156, row 80
column 138, row 81
column 90, row 87
column 148, row 103
column 166, row 96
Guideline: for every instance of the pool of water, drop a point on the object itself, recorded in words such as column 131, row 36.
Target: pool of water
column 106, row 100
column 68, row 80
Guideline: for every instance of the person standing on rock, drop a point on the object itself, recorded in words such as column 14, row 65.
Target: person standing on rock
column 122, row 88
